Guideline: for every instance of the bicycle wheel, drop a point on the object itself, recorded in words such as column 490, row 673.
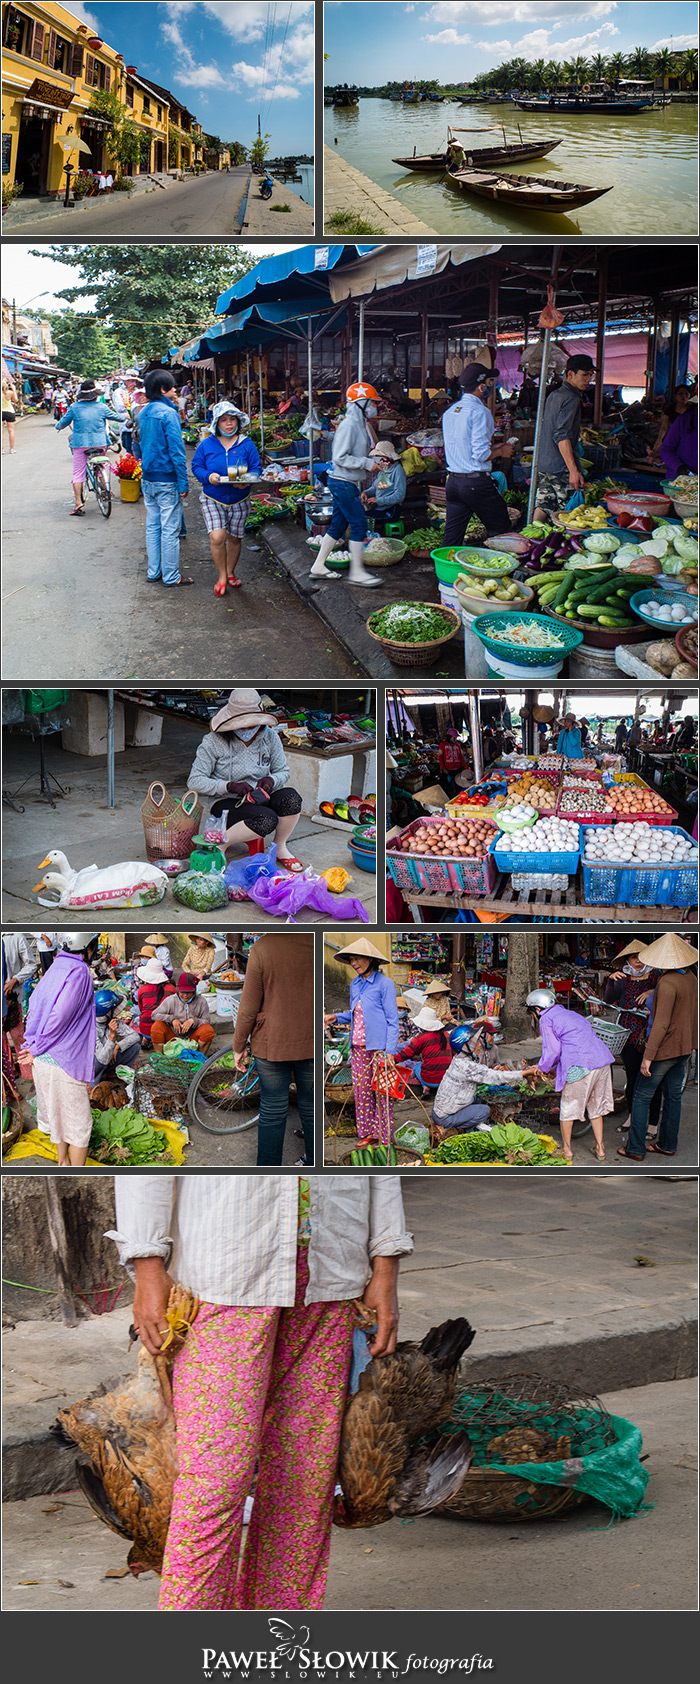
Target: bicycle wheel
column 577, row 1129
column 220, row 1100
column 103, row 490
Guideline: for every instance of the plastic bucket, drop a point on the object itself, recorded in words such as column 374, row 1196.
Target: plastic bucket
column 225, row 998
column 449, row 596
column 587, row 662
column 475, row 665
column 129, row 490
column 525, row 675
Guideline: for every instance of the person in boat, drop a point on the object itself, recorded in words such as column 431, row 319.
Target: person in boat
column 455, row 157
column 387, row 493
column 467, row 429
column 559, row 462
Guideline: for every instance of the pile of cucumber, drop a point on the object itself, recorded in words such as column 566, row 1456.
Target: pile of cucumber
column 374, row 1157
column 601, row 595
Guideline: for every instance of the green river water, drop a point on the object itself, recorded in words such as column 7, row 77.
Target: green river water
column 649, row 160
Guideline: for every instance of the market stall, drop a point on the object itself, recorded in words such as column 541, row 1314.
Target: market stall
column 569, row 835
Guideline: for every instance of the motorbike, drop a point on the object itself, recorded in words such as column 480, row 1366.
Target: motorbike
column 266, row 186
column 59, row 408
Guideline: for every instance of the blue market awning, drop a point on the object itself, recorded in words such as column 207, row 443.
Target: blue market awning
column 263, row 324
column 291, row 274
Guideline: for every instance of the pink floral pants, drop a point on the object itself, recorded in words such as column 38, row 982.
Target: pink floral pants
column 265, row 1385
column 374, row 1112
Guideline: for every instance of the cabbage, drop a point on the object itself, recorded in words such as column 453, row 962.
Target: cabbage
column 626, row 554
column 604, row 542
column 654, row 546
column 686, row 547
column 672, row 564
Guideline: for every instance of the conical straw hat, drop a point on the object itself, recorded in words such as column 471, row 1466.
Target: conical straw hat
column 633, row 947
column 670, row 953
column 364, row 949
column 437, row 987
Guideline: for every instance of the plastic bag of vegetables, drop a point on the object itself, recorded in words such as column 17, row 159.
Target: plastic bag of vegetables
column 202, row 891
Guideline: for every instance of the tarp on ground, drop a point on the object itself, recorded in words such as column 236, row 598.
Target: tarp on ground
column 389, row 266
column 284, row 276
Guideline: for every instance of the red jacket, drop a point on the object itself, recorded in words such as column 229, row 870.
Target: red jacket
column 149, row 996
column 434, row 1051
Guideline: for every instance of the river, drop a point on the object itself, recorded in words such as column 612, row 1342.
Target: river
column 648, row 160
column 304, row 188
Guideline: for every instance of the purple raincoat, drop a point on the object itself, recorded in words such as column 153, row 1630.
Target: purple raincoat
column 61, row 1017
column 567, row 1038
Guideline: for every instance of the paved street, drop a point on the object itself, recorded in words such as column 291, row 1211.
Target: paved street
column 76, row 604
column 201, row 207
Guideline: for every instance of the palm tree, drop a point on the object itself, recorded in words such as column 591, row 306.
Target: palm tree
column 598, row 63
column 536, row 78
column 568, row 72
column 616, row 65
column 580, row 68
column 552, row 72
column 664, row 64
column 689, row 67
column 638, row 62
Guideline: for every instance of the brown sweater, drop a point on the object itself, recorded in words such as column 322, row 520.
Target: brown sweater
column 277, row 1000
column 674, row 1030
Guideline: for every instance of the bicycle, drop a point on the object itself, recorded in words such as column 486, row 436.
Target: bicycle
column 98, row 479
column 220, row 1099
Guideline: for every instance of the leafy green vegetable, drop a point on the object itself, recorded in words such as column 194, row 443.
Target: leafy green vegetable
column 465, row 1149
column 127, row 1137
column 201, row 890
column 410, row 622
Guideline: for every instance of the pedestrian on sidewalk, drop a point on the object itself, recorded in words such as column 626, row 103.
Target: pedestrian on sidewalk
column 374, row 1039
column 217, row 463
column 183, row 1013
column 158, row 443
column 671, row 1040
column 276, row 1014
column 9, row 400
column 467, row 429
column 583, row 1066
column 88, row 417
column 630, row 986
column 262, row 1379
column 353, row 442
column 61, row 1035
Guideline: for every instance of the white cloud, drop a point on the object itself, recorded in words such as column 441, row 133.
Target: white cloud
column 494, row 13
column 82, row 14
column 538, row 44
column 255, row 76
column 679, row 43
column 449, row 38
column 247, row 21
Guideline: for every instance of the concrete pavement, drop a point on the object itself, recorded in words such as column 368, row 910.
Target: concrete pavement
column 85, row 830
column 265, row 219
column 208, row 206
column 76, row 604
column 347, row 189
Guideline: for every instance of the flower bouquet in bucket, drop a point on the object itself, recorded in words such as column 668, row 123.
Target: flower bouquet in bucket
column 128, row 472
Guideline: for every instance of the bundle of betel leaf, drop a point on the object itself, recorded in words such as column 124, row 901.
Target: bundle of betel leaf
column 410, row 622
column 127, row 1137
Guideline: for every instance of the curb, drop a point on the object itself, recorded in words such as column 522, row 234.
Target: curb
column 34, row 1465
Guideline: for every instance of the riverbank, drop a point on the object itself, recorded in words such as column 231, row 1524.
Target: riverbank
column 258, row 213
column 347, row 190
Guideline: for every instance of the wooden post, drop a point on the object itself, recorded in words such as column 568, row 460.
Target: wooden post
column 423, row 359
column 600, row 334
column 59, row 1247
column 673, row 352
column 459, row 947
column 492, row 334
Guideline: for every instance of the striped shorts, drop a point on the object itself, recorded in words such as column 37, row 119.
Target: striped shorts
column 225, row 517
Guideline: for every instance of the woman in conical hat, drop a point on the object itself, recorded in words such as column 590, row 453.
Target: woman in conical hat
column 240, row 765
column 672, row 1038
column 630, row 986
column 374, row 1038
column 437, row 994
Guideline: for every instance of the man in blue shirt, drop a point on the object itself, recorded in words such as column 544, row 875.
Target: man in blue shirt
column 164, row 482
column 467, row 429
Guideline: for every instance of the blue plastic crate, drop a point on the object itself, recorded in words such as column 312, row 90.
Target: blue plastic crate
column 641, row 885
column 507, row 859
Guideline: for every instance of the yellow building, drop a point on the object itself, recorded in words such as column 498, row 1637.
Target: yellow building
column 51, row 66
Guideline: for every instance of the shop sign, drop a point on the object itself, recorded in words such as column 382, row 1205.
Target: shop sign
column 44, row 93
column 426, row 259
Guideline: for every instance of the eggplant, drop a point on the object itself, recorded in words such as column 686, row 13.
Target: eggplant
column 537, row 549
column 577, row 544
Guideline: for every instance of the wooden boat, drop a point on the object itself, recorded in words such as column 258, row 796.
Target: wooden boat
column 486, row 155
column 345, row 96
column 533, row 192
column 589, row 107
column 411, row 96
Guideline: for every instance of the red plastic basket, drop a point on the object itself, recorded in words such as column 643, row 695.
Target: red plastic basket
column 584, row 816
column 443, row 875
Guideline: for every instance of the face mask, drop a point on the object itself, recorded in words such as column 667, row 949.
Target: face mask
column 247, row 735
column 370, row 410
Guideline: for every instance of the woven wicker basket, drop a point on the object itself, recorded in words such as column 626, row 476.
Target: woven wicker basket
column 169, row 824
column 419, row 654
column 494, row 1494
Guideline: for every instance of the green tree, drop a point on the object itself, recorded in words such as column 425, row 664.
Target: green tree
column 689, row 67
column 238, row 152
column 83, row 345
column 123, row 139
column 616, row 66
column 598, row 65
column 638, row 62
column 259, row 151
column 664, row 62
column 150, row 296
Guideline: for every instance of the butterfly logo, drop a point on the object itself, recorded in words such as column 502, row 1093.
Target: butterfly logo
column 289, row 1644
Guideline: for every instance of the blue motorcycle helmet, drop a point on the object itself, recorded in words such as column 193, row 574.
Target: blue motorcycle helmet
column 460, row 1036
column 105, row 1002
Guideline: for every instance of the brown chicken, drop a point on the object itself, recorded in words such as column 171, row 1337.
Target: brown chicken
column 383, row 1469
column 109, row 1095
column 128, row 1437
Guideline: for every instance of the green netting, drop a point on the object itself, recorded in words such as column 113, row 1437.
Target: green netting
column 182, row 1070
column 605, row 1449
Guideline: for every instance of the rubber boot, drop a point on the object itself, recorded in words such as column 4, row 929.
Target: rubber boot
column 319, row 569
column 358, row 571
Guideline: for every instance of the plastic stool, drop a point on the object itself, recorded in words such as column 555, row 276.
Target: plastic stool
column 394, row 529
column 256, row 847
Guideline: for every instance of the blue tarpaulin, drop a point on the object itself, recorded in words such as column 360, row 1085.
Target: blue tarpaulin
column 260, row 324
column 287, row 276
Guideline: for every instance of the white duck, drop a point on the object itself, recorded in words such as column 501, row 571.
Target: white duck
column 130, row 883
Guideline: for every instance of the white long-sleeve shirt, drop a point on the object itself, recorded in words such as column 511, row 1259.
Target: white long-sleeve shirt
column 467, row 429
column 232, row 1239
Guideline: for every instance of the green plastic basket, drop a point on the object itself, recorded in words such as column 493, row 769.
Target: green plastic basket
column 484, row 564
column 487, row 627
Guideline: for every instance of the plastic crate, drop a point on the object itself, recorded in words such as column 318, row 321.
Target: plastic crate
column 640, row 885
column 582, row 816
column 444, row 875
column 465, row 810
column 508, row 860
column 668, row 818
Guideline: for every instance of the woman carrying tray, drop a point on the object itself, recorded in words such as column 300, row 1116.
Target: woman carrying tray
column 225, row 502
column 374, row 1039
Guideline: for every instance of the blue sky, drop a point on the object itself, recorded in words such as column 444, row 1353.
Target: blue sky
column 226, row 61
column 378, row 42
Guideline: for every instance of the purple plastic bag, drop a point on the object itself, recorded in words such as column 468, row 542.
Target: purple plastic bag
column 285, row 897
column 240, row 874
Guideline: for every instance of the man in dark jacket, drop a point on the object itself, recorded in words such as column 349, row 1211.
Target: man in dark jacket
column 559, row 467
column 164, row 477
column 671, row 1040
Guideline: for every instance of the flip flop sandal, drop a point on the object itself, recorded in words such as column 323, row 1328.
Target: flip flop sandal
column 77, row 511
column 176, row 585
column 291, row 864
column 220, row 589
column 232, row 580
column 637, row 1157
column 596, row 1154
column 662, row 1150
